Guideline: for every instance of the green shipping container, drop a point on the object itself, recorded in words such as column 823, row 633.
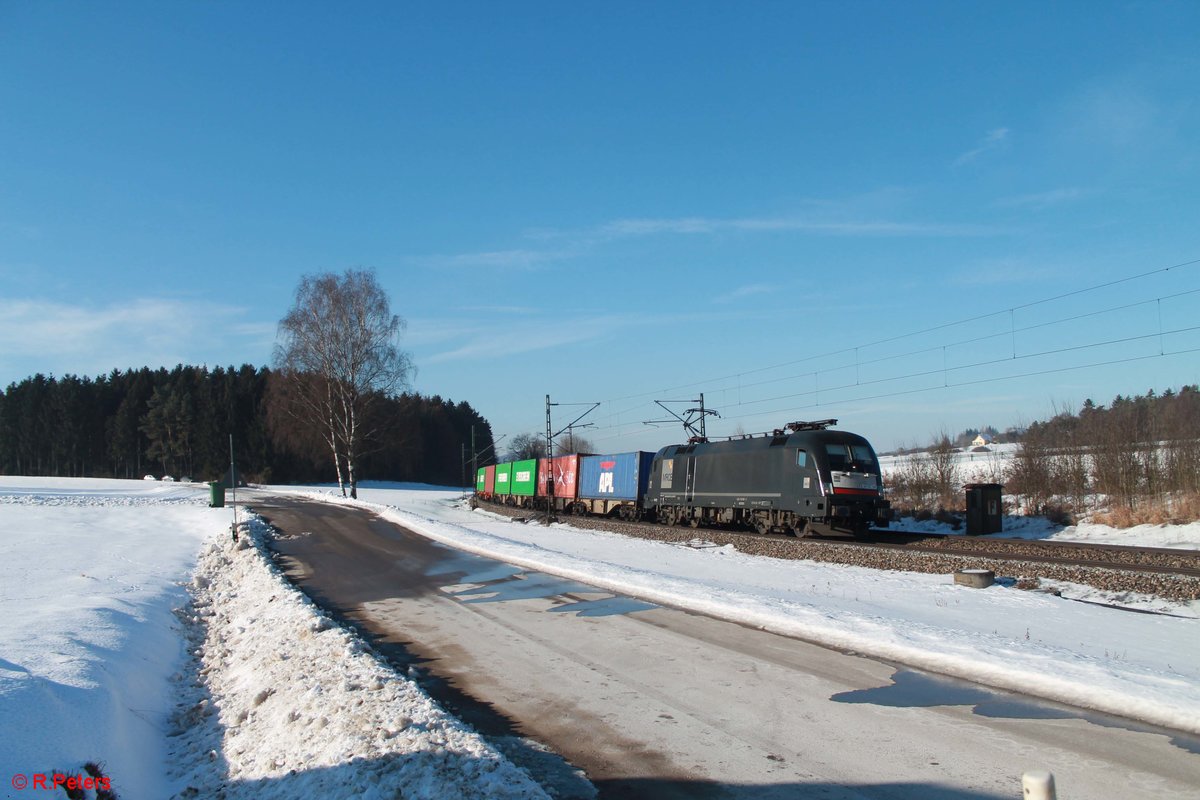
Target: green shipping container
column 503, row 479
column 481, row 480
column 524, row 477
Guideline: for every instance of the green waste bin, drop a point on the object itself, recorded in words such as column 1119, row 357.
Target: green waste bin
column 216, row 498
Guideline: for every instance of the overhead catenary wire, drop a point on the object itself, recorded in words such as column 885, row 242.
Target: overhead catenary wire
column 619, row 429
column 910, row 334
column 617, row 434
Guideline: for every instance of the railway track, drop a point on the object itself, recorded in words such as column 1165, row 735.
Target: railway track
column 1103, row 556
column 1160, row 572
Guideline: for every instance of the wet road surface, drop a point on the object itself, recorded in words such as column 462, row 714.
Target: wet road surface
column 657, row 702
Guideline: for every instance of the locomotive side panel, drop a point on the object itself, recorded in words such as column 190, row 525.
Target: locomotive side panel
column 739, row 477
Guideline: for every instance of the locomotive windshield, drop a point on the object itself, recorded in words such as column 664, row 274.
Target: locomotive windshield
column 851, row 458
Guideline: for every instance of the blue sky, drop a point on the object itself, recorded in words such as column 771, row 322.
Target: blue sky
column 803, row 210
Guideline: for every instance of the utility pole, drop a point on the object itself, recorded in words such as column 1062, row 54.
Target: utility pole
column 549, row 466
column 550, row 434
column 692, row 419
column 233, row 482
column 474, row 455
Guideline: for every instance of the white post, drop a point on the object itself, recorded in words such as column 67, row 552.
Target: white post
column 1038, row 785
column 233, row 480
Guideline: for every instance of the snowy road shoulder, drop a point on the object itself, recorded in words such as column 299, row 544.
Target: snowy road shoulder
column 288, row 704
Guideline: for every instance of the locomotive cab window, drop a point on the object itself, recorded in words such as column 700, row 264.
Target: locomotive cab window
column 801, row 458
column 851, row 458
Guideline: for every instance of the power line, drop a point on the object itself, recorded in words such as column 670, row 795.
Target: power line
column 906, row 392
column 858, row 363
column 910, row 334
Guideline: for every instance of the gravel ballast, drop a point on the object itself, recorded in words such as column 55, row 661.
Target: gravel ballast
column 1026, row 561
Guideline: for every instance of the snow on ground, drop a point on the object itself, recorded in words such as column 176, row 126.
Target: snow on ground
column 291, row 705
column 94, row 663
column 89, row 573
column 1142, row 666
column 1184, row 537
column 983, row 467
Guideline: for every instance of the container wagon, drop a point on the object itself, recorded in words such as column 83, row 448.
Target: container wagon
column 565, row 471
column 613, row 485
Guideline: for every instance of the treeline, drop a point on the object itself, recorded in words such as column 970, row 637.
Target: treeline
column 177, row 422
column 1136, row 460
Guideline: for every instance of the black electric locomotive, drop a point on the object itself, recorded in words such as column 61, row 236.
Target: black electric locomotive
column 803, row 479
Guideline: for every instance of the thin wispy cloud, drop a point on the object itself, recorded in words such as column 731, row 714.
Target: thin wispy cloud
column 994, row 140
column 530, row 336
column 684, row 226
column 1042, row 200
column 520, row 259
column 522, row 311
column 49, row 337
column 865, row 216
column 743, row 292
column 467, row 323
column 1118, row 113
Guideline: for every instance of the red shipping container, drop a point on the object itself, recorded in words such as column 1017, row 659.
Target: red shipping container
column 489, row 481
column 566, row 476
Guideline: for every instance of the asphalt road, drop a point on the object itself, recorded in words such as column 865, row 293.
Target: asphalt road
column 657, row 702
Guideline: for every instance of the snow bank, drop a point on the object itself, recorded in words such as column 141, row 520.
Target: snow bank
column 89, row 573
column 287, row 704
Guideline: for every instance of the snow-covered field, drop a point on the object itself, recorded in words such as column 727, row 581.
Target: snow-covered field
column 985, row 467
column 95, row 630
column 94, row 664
column 972, row 467
column 89, row 573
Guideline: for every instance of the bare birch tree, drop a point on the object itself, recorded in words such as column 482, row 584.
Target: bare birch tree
column 337, row 351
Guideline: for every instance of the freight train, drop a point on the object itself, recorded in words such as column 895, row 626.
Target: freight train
column 803, row 479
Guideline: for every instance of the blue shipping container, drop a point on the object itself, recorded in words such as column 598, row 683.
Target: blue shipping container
column 623, row 476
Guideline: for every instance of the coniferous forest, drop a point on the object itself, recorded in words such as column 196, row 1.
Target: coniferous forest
column 178, row 422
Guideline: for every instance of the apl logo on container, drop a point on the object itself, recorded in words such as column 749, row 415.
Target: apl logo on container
column 606, row 478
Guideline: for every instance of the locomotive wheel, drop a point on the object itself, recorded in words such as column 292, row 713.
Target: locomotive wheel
column 762, row 526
